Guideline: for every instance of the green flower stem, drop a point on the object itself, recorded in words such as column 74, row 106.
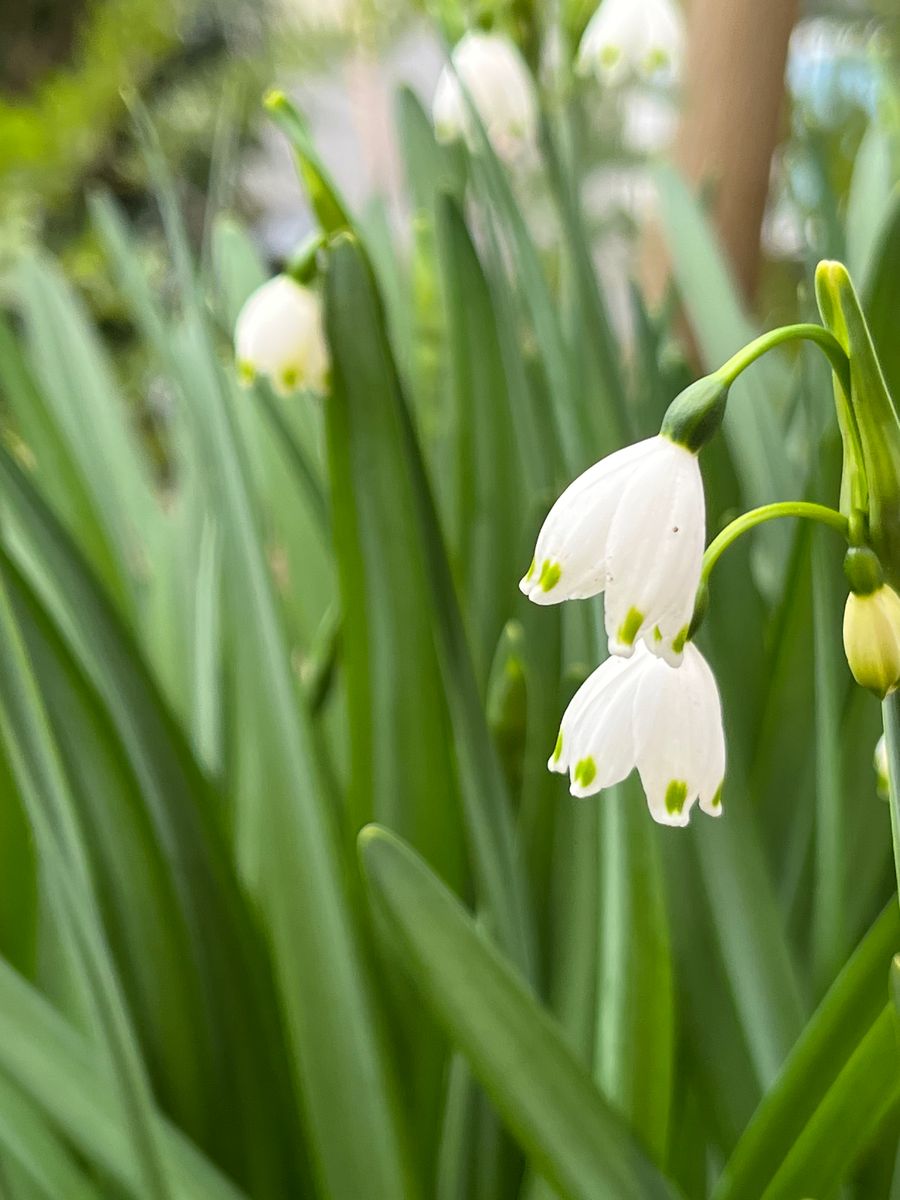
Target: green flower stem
column 826, row 342
column 890, row 709
column 769, row 512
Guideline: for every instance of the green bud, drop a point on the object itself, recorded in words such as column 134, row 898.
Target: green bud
column 863, row 570
column 872, row 639
column 870, row 426
column 696, row 413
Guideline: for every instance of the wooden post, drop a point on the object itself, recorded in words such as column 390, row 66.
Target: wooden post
column 733, row 89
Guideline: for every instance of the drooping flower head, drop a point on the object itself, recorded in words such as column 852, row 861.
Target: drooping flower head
column 641, row 712
column 632, row 526
column 872, row 639
column 494, row 74
column 625, row 38
column 279, row 334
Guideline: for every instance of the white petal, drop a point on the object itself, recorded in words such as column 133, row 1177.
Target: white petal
column 279, row 333
column 626, row 37
column 678, row 738
column 655, row 552
column 596, row 743
column 494, row 74
column 570, row 555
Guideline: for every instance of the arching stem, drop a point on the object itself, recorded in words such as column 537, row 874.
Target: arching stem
column 817, row 334
column 804, row 509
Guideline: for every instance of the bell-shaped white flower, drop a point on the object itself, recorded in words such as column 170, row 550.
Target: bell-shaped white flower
column 633, row 525
column 641, row 712
column 633, row 37
column 279, row 334
column 500, row 87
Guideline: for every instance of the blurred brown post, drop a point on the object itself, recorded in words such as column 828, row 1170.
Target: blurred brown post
column 733, row 90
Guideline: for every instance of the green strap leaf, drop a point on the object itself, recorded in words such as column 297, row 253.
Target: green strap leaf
column 58, row 1069
column 514, row 1047
column 809, row 1079
column 354, row 311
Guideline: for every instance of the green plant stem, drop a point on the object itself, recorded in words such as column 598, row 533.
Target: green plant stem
column 891, row 713
column 805, row 509
column 817, row 334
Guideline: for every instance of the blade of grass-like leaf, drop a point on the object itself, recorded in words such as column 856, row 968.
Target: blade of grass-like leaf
column 286, row 839
column 184, row 815
column 635, row 1001
column 569, row 419
column 846, row 1016
column 606, row 408
column 882, row 297
column 830, row 942
column 872, row 188
column 27, row 1139
column 432, row 170
column 206, row 707
column 58, row 1069
column 711, row 1033
column 55, row 465
column 488, row 485
column 848, row 1119
column 352, row 307
column 87, row 410
column 289, row 853
column 514, row 1047
column 42, row 783
column 400, row 736
column 750, row 931
column 326, row 200
column 19, row 900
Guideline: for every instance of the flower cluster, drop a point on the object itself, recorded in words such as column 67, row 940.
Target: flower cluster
column 633, row 527
column 623, row 41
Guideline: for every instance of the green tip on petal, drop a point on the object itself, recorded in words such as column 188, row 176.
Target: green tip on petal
column 657, row 634
column 557, row 749
column 246, row 371
column 628, row 630
column 531, row 569
column 290, row 377
column 656, row 60
column 609, row 56
column 676, row 794
column 680, row 639
column 716, row 801
column 550, row 574
column 586, row 772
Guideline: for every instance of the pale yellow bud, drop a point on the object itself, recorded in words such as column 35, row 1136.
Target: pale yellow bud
column 872, row 639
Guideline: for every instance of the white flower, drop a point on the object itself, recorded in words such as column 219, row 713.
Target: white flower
column 627, row 37
column 279, row 334
column 666, row 721
column 492, row 71
column 633, row 525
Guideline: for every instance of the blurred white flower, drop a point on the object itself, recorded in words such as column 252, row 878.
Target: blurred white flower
column 649, row 120
column 882, row 779
column 279, row 334
column 633, row 525
column 641, row 712
column 494, row 74
column 633, row 37
column 872, row 638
